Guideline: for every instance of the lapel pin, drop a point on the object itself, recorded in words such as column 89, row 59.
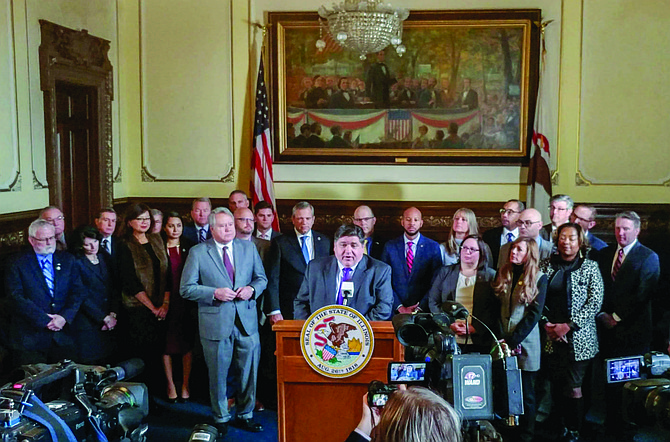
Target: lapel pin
column 57, row 266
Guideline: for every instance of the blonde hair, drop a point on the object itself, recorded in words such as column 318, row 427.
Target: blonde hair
column 417, row 415
column 502, row 284
column 451, row 245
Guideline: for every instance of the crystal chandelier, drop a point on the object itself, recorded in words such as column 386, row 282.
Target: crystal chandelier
column 365, row 26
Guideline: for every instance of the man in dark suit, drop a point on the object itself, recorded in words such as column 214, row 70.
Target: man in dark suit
column 337, row 140
column 55, row 216
column 315, row 139
column 265, row 216
column 379, row 82
column 585, row 216
column 414, row 260
column 199, row 231
column 630, row 273
column 224, row 275
column 468, row 98
column 508, row 232
column 530, row 225
column 560, row 209
column 244, row 228
column 366, row 220
column 289, row 255
column 237, row 199
column 369, row 281
column 45, row 292
column 342, row 99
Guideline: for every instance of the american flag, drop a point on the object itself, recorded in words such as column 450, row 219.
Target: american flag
column 262, row 178
column 328, row 353
column 399, row 124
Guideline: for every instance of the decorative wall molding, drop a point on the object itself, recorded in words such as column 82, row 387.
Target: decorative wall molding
column 68, row 55
column 36, row 183
column 14, row 184
column 118, row 176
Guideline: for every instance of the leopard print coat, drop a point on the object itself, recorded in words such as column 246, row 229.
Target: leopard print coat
column 587, row 298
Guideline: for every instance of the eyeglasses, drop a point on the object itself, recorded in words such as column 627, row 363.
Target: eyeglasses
column 561, row 209
column 508, row 211
column 143, row 219
column 469, row 250
column 58, row 218
column 245, row 220
column 577, row 217
column 45, row 240
column 366, row 219
column 528, row 223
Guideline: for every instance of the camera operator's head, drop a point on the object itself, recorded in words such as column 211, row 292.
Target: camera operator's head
column 417, row 415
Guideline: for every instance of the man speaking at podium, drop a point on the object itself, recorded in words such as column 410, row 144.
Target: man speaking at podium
column 349, row 278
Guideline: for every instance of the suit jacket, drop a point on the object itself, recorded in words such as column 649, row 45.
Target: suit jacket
column 31, row 301
column 378, row 85
column 262, row 246
column 471, row 100
column 492, row 238
column 286, row 270
column 595, row 242
column 376, row 246
column 204, row 272
column 373, row 294
column 112, row 260
column 503, row 257
column 444, row 289
column 410, row 288
column 546, row 232
column 629, row 296
column 102, row 295
column 191, row 232
column 355, row 437
column 273, row 235
column 339, row 101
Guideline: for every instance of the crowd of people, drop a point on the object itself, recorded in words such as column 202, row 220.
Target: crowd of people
column 153, row 287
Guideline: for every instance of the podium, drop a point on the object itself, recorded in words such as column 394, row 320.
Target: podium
column 312, row 407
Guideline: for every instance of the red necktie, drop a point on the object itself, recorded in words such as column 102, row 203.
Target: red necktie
column 410, row 256
column 617, row 264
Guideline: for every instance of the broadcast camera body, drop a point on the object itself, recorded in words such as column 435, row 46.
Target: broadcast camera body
column 646, row 402
column 72, row 402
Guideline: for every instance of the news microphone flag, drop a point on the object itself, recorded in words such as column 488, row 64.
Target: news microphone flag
column 262, row 178
column 539, row 177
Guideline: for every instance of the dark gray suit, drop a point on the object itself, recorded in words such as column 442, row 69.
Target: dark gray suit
column 226, row 328
column 373, row 294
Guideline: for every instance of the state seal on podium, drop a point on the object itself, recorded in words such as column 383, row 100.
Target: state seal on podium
column 337, row 341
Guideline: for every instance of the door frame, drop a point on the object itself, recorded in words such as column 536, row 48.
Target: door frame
column 68, row 55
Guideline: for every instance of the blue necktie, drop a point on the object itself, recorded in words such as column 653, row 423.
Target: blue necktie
column 305, row 250
column 510, row 237
column 202, row 236
column 346, row 276
column 47, row 271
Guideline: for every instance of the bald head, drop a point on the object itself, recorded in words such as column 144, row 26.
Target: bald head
column 244, row 222
column 365, row 219
column 530, row 223
column 412, row 222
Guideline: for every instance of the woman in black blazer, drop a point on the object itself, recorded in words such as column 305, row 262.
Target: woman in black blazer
column 467, row 282
column 94, row 324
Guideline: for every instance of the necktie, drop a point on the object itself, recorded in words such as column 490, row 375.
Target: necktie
column 202, row 236
column 105, row 245
column 366, row 244
column 305, row 251
column 346, row 276
column 510, row 237
column 228, row 265
column 617, row 264
column 410, row 256
column 47, row 270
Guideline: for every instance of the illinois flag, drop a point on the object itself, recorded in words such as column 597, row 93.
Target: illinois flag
column 539, row 176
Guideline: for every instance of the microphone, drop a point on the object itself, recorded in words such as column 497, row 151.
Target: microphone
column 347, row 291
column 458, row 311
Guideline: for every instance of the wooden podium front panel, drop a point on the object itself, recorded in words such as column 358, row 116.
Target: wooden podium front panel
column 314, row 407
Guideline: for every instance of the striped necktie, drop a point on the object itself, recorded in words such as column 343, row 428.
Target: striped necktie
column 410, row 256
column 510, row 237
column 47, row 271
column 617, row 264
column 202, row 237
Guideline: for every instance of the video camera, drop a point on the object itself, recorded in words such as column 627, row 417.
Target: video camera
column 71, row 402
column 646, row 402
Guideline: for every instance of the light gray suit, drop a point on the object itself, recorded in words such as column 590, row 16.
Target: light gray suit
column 544, row 245
column 373, row 294
column 226, row 328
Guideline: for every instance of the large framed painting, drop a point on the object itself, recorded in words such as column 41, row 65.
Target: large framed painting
column 461, row 93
